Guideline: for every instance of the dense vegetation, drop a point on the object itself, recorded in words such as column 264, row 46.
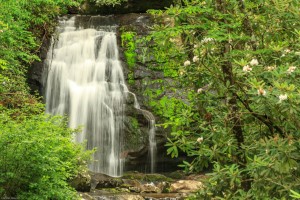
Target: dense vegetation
column 37, row 154
column 108, row 2
column 238, row 112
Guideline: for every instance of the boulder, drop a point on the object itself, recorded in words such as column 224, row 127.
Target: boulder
column 129, row 197
column 132, row 185
column 150, row 188
column 99, row 181
column 82, row 182
column 185, row 186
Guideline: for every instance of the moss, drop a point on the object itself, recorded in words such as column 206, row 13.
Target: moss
column 156, row 177
column 146, row 177
column 133, row 176
column 176, row 175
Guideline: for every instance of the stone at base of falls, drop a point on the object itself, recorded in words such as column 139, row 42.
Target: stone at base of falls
column 185, row 186
column 85, row 196
column 136, row 185
column 82, row 182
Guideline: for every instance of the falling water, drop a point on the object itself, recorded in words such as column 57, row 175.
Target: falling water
column 152, row 142
column 85, row 81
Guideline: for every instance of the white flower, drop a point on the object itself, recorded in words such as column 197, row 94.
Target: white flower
column 270, row 68
column 1, row 31
column 287, row 51
column 3, row 83
column 267, row 151
column 206, row 40
column 200, row 139
column 291, row 69
column 246, row 68
column 254, row 62
column 261, row 91
column 199, row 90
column 196, row 46
column 282, row 97
column 187, row 63
column 195, row 59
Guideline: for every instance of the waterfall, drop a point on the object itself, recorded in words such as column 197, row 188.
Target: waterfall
column 151, row 120
column 85, row 81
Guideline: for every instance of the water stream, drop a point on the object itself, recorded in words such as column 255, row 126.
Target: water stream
column 85, row 81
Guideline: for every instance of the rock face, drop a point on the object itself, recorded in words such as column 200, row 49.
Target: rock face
column 136, row 150
column 131, row 6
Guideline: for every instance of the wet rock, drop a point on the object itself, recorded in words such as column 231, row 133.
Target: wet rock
column 145, row 177
column 127, row 197
column 82, row 182
column 130, row 197
column 150, row 188
column 99, row 181
column 85, row 196
column 164, row 186
column 186, row 186
column 132, row 185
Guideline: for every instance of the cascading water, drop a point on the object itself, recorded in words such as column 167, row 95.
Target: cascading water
column 85, row 81
column 151, row 120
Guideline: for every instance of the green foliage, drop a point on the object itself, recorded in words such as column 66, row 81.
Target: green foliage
column 108, row 2
column 294, row 194
column 237, row 63
column 23, row 27
column 128, row 44
column 37, row 157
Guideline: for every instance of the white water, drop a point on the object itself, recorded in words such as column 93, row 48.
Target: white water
column 85, row 81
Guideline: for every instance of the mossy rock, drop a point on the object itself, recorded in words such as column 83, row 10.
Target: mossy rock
column 133, row 176
column 156, row 177
column 176, row 175
column 146, row 177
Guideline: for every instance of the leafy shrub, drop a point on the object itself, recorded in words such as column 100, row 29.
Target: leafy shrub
column 38, row 157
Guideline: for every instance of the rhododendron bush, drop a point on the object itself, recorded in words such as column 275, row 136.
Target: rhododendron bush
column 238, row 65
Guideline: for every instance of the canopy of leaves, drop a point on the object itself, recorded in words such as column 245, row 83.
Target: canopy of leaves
column 238, row 65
